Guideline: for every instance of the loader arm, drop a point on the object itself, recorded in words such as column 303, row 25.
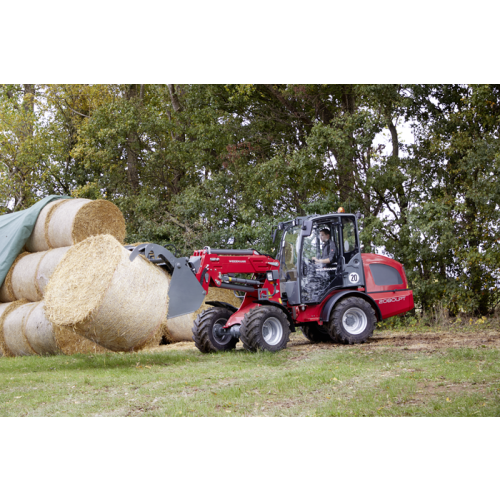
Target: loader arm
column 192, row 277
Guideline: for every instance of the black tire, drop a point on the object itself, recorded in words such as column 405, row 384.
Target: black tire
column 352, row 321
column 261, row 323
column 316, row 333
column 203, row 331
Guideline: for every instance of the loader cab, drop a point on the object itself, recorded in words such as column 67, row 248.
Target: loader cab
column 305, row 281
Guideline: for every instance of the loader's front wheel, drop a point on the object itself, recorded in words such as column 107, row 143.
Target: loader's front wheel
column 208, row 335
column 265, row 328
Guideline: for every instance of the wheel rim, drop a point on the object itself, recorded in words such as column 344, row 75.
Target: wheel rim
column 354, row 321
column 272, row 331
column 220, row 339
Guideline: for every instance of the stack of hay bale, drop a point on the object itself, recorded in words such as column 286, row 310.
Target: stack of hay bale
column 121, row 305
column 75, row 290
column 103, row 296
column 24, row 328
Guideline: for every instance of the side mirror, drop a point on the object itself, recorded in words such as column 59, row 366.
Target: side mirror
column 307, row 228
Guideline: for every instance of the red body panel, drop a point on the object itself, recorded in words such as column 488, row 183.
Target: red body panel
column 392, row 300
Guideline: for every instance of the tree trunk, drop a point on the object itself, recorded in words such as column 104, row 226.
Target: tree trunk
column 395, row 141
column 132, row 144
column 175, row 98
column 346, row 162
column 20, row 171
column 178, row 108
column 29, row 97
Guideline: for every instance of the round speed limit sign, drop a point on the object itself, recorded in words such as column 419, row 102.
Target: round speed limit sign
column 353, row 278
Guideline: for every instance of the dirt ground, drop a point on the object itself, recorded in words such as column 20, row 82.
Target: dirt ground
column 384, row 339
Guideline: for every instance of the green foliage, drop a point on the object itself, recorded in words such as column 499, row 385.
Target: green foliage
column 195, row 165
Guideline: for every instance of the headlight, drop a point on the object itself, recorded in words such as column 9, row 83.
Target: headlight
column 269, row 276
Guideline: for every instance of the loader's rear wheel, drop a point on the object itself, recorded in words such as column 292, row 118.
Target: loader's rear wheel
column 352, row 321
column 207, row 331
column 265, row 328
column 315, row 333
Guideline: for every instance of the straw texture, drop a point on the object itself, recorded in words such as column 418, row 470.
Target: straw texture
column 14, row 338
column 5, row 310
column 3, row 307
column 103, row 296
column 30, row 274
column 39, row 332
column 38, row 242
column 47, row 266
column 24, row 277
column 6, row 290
column 76, row 220
column 25, row 331
column 68, row 342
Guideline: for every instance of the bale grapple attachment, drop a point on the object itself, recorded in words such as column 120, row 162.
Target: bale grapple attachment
column 185, row 294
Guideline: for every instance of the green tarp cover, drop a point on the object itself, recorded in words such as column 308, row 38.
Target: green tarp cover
column 15, row 229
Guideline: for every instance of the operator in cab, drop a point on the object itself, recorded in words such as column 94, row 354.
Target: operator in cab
column 329, row 251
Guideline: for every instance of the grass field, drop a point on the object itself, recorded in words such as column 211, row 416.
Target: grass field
column 397, row 373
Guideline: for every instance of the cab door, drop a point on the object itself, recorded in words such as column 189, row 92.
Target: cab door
column 318, row 280
column 350, row 263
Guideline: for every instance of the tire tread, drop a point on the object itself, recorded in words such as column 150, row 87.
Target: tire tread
column 202, row 328
column 316, row 333
column 251, row 327
column 335, row 324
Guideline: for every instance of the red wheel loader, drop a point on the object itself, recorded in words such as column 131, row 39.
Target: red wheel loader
column 340, row 300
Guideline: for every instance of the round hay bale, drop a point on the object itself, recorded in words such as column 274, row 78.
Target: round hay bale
column 180, row 329
column 38, row 242
column 15, row 342
column 156, row 339
column 47, row 266
column 23, row 277
column 30, row 274
column 76, row 220
column 3, row 307
column 223, row 295
column 6, row 290
column 98, row 292
column 39, row 332
column 45, row 338
column 69, row 342
column 162, row 332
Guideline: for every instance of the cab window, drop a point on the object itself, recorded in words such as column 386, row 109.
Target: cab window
column 289, row 254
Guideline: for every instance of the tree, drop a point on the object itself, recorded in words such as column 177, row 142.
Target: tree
column 194, row 165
